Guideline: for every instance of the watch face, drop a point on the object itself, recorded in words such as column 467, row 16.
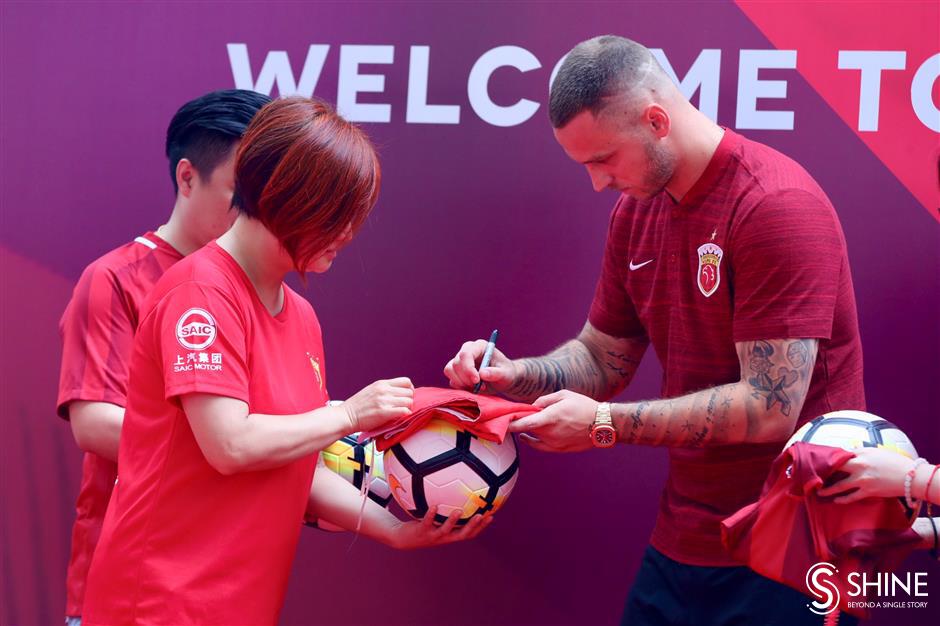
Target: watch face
column 604, row 436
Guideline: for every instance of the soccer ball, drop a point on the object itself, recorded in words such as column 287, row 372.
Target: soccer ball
column 353, row 460
column 857, row 429
column 854, row 429
column 445, row 466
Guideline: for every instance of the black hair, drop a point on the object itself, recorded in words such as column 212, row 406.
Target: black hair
column 205, row 129
column 594, row 71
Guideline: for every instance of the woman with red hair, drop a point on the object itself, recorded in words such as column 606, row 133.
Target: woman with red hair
column 227, row 408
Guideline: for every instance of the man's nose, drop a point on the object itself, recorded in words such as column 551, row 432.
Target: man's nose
column 599, row 179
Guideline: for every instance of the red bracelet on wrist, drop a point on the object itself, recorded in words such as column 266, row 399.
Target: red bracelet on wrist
column 930, row 480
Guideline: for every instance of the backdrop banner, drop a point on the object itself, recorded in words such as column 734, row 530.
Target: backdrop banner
column 482, row 223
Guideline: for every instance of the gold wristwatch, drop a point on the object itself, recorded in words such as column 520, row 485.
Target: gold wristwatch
column 603, row 434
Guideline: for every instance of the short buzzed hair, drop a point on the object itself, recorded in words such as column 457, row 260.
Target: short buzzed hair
column 594, row 71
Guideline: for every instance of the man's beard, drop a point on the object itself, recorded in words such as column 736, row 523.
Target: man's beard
column 662, row 165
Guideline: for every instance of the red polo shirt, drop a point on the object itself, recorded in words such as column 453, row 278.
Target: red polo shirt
column 753, row 251
column 97, row 330
column 182, row 543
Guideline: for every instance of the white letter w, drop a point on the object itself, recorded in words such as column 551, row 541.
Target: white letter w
column 276, row 69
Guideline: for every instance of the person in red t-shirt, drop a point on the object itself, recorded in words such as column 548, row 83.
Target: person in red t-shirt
column 99, row 322
column 729, row 259
column 228, row 407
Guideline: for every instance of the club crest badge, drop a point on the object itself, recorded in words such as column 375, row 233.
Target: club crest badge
column 709, row 263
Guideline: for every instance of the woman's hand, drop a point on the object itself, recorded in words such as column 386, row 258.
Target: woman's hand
column 873, row 473
column 379, row 403
column 425, row 533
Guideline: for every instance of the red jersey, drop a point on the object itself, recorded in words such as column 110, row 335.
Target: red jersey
column 753, row 251
column 97, row 330
column 791, row 528
column 182, row 543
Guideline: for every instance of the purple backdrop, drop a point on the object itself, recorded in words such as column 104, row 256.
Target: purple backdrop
column 478, row 226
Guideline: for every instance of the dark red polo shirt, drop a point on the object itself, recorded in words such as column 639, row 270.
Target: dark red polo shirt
column 753, row 251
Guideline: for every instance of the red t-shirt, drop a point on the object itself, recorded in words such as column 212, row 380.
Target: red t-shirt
column 182, row 543
column 97, row 329
column 753, row 251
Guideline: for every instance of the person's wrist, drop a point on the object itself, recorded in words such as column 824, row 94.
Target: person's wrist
column 601, row 430
column 392, row 533
column 929, row 473
column 912, row 502
column 349, row 417
column 517, row 372
column 509, row 386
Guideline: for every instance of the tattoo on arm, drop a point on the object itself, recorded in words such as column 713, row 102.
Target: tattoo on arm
column 620, row 364
column 554, row 372
column 594, row 364
column 772, row 387
column 760, row 407
column 770, row 379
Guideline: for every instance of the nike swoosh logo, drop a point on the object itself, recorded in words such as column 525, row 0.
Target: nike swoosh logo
column 639, row 265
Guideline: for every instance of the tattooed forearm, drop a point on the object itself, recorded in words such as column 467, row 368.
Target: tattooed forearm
column 636, row 423
column 622, row 365
column 569, row 367
column 594, row 364
column 711, row 417
column 763, row 406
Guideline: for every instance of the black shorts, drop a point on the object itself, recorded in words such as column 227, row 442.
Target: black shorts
column 667, row 592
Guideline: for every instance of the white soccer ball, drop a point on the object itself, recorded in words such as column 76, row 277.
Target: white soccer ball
column 445, row 466
column 854, row 429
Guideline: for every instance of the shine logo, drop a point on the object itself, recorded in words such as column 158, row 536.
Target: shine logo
column 822, row 588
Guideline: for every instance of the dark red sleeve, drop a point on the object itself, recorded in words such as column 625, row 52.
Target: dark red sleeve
column 612, row 311
column 787, row 254
column 202, row 343
column 97, row 337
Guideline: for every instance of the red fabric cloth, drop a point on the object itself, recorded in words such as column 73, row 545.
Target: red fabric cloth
column 782, row 273
column 97, row 330
column 791, row 528
column 182, row 543
column 487, row 417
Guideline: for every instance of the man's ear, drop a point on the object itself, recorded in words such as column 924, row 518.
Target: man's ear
column 185, row 177
column 657, row 118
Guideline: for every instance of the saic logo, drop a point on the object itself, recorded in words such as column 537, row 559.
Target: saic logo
column 824, row 590
column 195, row 329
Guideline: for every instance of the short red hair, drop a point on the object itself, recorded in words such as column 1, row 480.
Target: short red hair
column 307, row 174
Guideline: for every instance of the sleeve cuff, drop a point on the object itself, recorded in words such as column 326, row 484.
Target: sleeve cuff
column 84, row 395
column 238, row 393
